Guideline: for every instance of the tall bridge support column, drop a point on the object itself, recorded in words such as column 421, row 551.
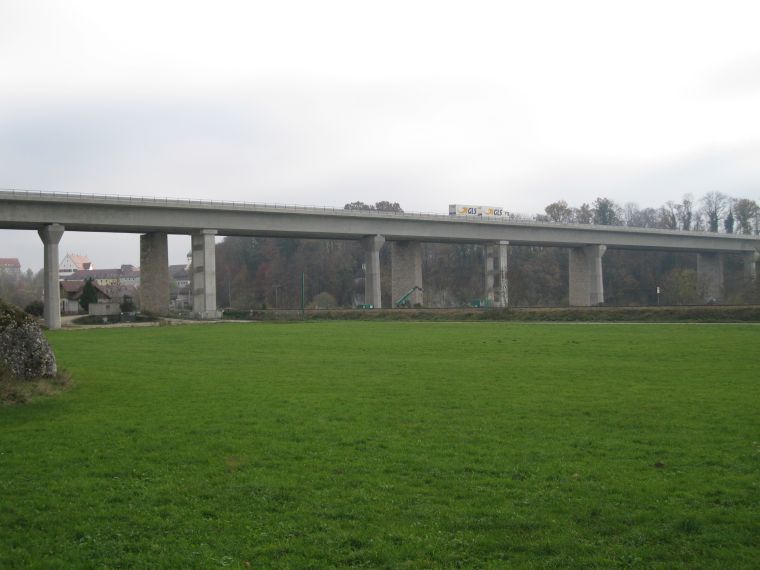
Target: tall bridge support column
column 496, row 290
column 710, row 276
column 406, row 270
column 204, row 275
column 502, row 286
column 750, row 264
column 154, row 273
column 372, row 245
column 51, row 236
column 488, row 268
column 586, row 285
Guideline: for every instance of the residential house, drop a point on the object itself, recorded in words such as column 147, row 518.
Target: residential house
column 180, row 291
column 121, row 293
column 99, row 276
column 130, row 276
column 73, row 262
column 122, row 276
column 10, row 266
column 71, row 292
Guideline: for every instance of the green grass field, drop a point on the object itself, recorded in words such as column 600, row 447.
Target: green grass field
column 395, row 445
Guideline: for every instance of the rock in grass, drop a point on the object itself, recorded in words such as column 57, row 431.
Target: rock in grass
column 24, row 351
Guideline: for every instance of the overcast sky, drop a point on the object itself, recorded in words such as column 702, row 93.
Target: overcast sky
column 515, row 104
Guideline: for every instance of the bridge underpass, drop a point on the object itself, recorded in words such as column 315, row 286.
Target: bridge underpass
column 155, row 218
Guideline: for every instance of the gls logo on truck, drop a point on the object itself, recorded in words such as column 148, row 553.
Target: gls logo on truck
column 468, row 210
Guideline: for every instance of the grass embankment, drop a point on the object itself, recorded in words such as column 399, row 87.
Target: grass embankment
column 691, row 314
column 389, row 445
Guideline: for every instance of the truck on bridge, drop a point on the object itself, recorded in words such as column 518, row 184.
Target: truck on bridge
column 481, row 211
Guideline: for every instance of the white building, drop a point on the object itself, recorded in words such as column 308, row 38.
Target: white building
column 73, row 262
column 10, row 266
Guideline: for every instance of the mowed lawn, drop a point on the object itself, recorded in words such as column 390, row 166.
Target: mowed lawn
column 391, row 445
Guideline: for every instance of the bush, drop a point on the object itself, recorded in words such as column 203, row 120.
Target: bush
column 127, row 305
column 24, row 351
column 35, row 308
column 323, row 301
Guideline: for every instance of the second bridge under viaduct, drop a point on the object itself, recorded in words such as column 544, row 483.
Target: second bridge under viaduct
column 50, row 214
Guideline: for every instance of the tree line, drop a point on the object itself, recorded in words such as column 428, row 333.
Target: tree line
column 714, row 212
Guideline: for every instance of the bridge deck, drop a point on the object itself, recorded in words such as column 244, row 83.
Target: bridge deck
column 104, row 213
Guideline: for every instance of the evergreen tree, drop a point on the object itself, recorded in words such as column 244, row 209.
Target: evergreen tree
column 89, row 294
column 728, row 223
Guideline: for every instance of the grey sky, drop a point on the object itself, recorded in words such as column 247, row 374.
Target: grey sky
column 425, row 103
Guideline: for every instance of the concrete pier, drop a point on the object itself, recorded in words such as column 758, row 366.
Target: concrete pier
column 496, row 285
column 51, row 236
column 406, row 270
column 710, row 276
column 750, row 264
column 488, row 294
column 502, row 285
column 586, row 284
column 372, row 245
column 154, row 273
column 204, row 275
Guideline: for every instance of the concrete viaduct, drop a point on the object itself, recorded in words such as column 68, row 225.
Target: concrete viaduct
column 50, row 214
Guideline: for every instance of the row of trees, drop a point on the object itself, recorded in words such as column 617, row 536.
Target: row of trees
column 714, row 212
column 23, row 289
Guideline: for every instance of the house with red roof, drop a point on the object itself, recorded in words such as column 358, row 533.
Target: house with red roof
column 74, row 262
column 10, row 266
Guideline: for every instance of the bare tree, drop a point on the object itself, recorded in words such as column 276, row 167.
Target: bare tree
column 684, row 212
column 583, row 215
column 631, row 213
column 666, row 216
column 714, row 207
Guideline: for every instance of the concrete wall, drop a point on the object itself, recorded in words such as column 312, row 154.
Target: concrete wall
column 103, row 308
column 154, row 274
column 406, row 270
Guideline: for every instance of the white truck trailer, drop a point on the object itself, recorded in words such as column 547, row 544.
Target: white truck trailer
column 482, row 211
